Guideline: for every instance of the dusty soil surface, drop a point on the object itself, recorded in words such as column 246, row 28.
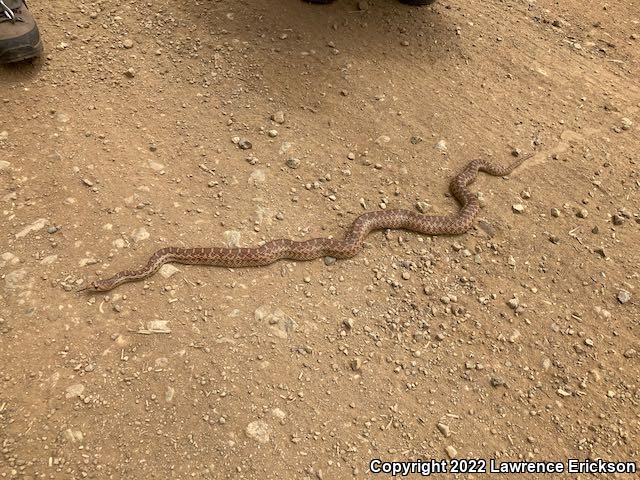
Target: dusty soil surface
column 517, row 340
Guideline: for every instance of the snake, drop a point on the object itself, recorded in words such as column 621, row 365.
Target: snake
column 349, row 246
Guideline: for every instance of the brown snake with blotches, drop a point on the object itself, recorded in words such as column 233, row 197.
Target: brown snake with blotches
column 348, row 247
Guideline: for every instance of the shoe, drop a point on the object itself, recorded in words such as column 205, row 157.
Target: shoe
column 19, row 35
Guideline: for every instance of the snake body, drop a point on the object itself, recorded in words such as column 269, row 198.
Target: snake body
column 314, row 248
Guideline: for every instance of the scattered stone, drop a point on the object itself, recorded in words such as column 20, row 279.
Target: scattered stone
column 363, row 5
column 600, row 251
column 329, row 261
column 4, row 135
column 129, row 73
column 8, row 258
column 356, row 364
column 17, row 279
column 156, row 326
column 444, row 429
column 272, row 133
column 279, row 323
column 497, row 382
column 631, row 353
column 555, row 212
column 168, row 270
column 423, row 207
column 617, row 219
column 513, row 303
column 259, row 430
column 626, row 123
column 517, row 208
column 74, row 390
column 293, row 163
column 278, row 413
column 128, row 43
column 34, row 227
column 451, row 451
column 554, row 239
column 441, row 145
column 156, row 166
column 49, row 259
column 278, row 117
column 244, row 144
column 624, row 296
column 74, row 436
column 4, row 165
column 231, row 238
column 382, row 139
column 140, row 234
column 169, row 393
column 582, row 213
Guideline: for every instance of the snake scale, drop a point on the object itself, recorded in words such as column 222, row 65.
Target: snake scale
column 314, row 248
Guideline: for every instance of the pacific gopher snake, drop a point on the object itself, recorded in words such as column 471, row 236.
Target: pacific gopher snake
column 348, row 247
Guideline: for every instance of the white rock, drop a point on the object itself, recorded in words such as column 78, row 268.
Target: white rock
column 382, row 139
column 231, row 238
column 156, row 166
column 49, row 259
column 257, row 176
column 74, row 390
column 158, row 326
column 279, row 414
column 169, row 393
column 259, row 430
column 34, row 227
column 8, row 258
column 16, row 279
column 168, row 270
column 140, row 234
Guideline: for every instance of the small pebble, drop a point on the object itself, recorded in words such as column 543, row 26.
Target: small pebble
column 244, row 144
column 293, row 162
column 278, row 117
column 451, row 451
column 626, row 123
column 582, row 213
column 624, row 296
column 517, row 208
column 329, row 261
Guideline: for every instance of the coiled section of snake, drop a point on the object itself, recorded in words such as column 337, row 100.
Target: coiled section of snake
column 348, row 247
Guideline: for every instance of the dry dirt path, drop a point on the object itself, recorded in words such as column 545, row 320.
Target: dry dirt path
column 518, row 340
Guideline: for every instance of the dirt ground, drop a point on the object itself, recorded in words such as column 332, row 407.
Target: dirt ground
column 518, row 340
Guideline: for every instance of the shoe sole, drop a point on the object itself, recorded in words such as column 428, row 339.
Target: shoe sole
column 21, row 53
